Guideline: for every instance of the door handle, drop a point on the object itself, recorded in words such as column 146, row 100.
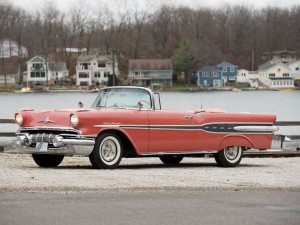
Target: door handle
column 188, row 117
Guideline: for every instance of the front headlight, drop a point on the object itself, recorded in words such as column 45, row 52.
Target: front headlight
column 19, row 118
column 74, row 120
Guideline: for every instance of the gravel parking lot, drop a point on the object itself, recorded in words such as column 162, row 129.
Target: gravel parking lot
column 18, row 173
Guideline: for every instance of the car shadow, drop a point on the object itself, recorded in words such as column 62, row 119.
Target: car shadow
column 144, row 166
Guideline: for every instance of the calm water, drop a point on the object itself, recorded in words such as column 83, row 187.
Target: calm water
column 286, row 105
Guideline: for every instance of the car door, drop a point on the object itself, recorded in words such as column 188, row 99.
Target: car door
column 171, row 131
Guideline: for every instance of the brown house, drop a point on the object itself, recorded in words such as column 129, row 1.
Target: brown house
column 9, row 71
column 149, row 72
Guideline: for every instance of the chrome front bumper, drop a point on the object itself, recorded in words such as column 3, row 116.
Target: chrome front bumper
column 54, row 144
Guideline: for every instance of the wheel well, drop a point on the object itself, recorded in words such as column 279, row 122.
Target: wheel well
column 236, row 141
column 128, row 148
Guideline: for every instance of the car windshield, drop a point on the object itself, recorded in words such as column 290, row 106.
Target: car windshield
column 123, row 98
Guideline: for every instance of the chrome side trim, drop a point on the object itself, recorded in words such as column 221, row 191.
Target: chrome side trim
column 256, row 128
column 178, row 153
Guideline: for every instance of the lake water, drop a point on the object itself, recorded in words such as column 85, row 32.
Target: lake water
column 286, row 105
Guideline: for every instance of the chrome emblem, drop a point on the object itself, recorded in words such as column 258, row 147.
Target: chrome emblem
column 46, row 120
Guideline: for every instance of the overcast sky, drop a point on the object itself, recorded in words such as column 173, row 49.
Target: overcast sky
column 64, row 5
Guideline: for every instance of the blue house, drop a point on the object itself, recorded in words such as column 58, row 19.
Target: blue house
column 216, row 76
column 209, row 76
column 229, row 71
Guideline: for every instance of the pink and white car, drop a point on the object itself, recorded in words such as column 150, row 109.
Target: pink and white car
column 129, row 122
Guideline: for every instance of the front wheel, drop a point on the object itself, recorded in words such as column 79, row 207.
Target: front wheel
column 108, row 151
column 229, row 157
column 44, row 160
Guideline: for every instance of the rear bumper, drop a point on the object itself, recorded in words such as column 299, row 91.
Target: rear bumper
column 55, row 144
column 278, row 141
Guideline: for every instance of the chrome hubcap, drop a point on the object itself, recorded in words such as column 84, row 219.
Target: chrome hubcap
column 108, row 150
column 231, row 152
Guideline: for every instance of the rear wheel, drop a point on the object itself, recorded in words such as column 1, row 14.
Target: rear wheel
column 171, row 159
column 108, row 151
column 44, row 160
column 229, row 157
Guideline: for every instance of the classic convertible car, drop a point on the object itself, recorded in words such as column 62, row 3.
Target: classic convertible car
column 129, row 122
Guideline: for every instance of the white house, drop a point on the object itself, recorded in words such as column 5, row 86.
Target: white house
column 95, row 69
column 38, row 67
column 149, row 72
column 295, row 68
column 275, row 75
column 250, row 77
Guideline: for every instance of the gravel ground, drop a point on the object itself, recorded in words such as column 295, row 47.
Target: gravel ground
column 19, row 173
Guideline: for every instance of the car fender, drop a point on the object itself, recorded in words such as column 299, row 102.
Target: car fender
column 236, row 140
column 124, row 134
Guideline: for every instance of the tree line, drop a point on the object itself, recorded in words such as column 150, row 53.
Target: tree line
column 236, row 33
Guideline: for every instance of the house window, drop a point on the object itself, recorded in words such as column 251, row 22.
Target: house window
column 224, row 69
column 83, row 75
column 85, row 66
column 271, row 74
column 32, row 74
column 106, row 74
column 101, row 64
column 37, row 66
column 97, row 74
column 205, row 74
column 297, row 68
column 231, row 69
column 146, row 74
column 232, row 78
column 43, row 74
column 286, row 74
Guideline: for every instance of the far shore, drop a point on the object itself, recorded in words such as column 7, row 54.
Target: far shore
column 165, row 89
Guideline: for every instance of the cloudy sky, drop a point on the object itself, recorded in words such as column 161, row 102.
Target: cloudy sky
column 145, row 4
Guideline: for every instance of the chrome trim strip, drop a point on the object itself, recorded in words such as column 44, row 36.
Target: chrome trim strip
column 65, row 129
column 219, row 127
column 178, row 153
column 257, row 128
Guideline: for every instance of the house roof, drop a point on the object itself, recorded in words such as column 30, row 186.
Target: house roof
column 208, row 69
column 88, row 58
column 58, row 66
column 150, row 64
column 226, row 64
column 295, row 62
column 270, row 64
column 37, row 59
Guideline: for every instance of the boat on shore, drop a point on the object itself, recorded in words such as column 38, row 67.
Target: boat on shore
column 25, row 90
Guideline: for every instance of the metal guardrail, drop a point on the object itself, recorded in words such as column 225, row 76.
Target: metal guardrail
column 277, row 123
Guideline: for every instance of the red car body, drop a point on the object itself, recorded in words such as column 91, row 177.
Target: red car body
column 127, row 122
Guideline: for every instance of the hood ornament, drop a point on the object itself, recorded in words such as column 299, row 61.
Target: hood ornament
column 46, row 120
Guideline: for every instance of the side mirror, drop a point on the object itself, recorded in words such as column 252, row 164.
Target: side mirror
column 80, row 105
column 140, row 105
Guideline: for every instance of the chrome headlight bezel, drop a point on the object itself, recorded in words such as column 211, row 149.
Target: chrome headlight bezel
column 19, row 119
column 74, row 120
